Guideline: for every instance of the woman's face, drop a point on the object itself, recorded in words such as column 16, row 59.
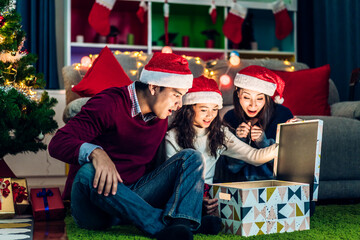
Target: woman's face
column 205, row 113
column 251, row 101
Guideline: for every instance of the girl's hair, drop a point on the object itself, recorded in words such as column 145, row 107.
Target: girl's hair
column 264, row 116
column 184, row 126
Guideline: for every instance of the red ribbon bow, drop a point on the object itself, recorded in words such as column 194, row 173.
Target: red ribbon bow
column 19, row 192
column 4, row 189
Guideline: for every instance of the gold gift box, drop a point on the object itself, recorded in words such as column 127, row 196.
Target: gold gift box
column 21, row 202
column 6, row 200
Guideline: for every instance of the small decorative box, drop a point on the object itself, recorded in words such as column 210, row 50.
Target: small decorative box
column 6, row 199
column 20, row 194
column 47, row 204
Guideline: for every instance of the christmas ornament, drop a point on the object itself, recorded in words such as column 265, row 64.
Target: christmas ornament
column 212, row 12
column 2, row 21
column 141, row 11
column 12, row 134
column 283, row 23
column 40, row 137
column 99, row 16
column 166, row 21
column 233, row 23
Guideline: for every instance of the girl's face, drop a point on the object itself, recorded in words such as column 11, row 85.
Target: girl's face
column 205, row 114
column 251, row 101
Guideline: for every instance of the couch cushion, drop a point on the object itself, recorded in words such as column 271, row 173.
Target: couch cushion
column 307, row 91
column 105, row 72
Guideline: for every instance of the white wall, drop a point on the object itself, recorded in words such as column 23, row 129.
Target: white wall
column 39, row 168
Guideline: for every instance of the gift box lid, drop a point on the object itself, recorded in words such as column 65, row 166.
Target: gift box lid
column 298, row 158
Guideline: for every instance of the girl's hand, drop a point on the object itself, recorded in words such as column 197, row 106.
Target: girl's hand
column 210, row 206
column 256, row 133
column 294, row 119
column 243, row 130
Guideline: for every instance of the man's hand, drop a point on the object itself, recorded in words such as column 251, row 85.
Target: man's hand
column 210, row 206
column 106, row 174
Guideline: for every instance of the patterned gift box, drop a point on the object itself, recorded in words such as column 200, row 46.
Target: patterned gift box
column 6, row 199
column 47, row 204
column 20, row 194
column 281, row 205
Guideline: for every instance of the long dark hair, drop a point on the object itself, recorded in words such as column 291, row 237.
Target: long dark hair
column 184, row 126
column 264, row 116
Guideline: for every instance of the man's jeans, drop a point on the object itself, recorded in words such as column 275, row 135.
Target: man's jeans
column 173, row 190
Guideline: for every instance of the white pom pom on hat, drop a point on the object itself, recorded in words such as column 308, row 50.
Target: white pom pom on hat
column 262, row 80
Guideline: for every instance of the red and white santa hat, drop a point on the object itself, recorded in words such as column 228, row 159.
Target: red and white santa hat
column 204, row 90
column 262, row 80
column 167, row 70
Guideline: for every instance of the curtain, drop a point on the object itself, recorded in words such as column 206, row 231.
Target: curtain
column 38, row 20
column 329, row 33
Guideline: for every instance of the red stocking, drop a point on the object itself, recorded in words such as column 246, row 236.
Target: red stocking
column 283, row 23
column 233, row 23
column 99, row 16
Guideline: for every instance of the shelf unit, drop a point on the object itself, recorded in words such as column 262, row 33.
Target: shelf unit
column 193, row 14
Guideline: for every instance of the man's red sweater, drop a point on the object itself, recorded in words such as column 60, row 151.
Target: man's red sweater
column 106, row 121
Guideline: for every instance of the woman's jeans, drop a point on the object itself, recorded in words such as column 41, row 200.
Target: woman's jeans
column 172, row 190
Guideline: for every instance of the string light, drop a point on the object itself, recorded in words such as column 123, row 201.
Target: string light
column 166, row 49
column 86, row 61
column 225, row 80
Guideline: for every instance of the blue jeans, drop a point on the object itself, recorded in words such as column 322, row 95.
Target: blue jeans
column 173, row 190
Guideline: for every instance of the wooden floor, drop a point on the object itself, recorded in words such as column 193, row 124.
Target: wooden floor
column 49, row 230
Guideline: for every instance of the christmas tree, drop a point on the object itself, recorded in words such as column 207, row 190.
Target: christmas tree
column 24, row 117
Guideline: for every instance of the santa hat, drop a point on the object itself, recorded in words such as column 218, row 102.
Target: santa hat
column 204, row 90
column 262, row 80
column 167, row 70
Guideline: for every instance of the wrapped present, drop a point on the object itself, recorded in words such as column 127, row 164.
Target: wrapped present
column 20, row 194
column 49, row 230
column 6, row 199
column 47, row 204
column 280, row 205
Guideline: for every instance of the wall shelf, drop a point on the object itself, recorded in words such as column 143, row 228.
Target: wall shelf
column 183, row 15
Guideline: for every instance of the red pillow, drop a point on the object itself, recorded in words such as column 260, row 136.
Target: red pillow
column 105, row 72
column 307, row 91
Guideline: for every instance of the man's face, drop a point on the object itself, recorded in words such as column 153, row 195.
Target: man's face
column 167, row 101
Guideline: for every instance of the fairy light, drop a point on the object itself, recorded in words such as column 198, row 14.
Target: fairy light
column 225, row 80
column 117, row 52
column 139, row 64
column 166, row 49
column 212, row 73
column 133, row 72
column 286, row 62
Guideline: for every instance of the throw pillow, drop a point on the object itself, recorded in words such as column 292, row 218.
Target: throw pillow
column 307, row 91
column 105, row 72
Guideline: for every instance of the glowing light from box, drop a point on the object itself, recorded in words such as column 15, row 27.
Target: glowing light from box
column 166, row 49
column 225, row 80
column 85, row 61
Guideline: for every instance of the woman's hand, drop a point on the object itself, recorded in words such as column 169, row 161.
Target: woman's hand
column 294, row 119
column 243, row 130
column 210, row 206
column 256, row 133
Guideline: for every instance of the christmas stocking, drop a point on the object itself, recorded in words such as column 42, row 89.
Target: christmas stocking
column 283, row 23
column 99, row 16
column 212, row 12
column 141, row 11
column 233, row 23
column 166, row 21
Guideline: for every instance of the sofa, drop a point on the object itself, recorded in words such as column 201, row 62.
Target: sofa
column 340, row 158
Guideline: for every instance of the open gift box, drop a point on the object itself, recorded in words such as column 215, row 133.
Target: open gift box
column 283, row 204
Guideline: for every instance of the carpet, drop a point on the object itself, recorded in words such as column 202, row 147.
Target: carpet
column 328, row 222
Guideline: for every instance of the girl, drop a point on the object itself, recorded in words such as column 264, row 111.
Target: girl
column 197, row 125
column 254, row 120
